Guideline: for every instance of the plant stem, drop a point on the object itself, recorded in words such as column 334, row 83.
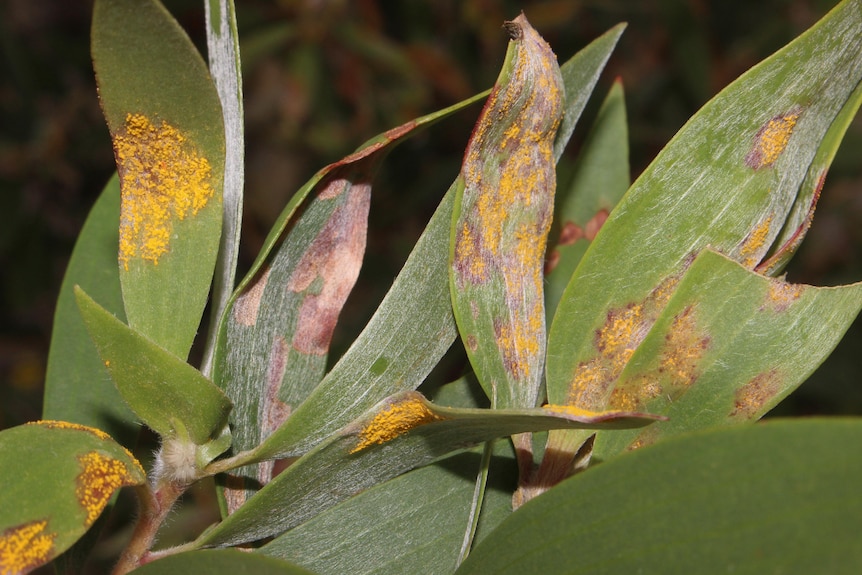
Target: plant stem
column 223, row 465
column 154, row 504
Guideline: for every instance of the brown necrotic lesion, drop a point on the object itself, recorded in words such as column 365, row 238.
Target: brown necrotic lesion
column 163, row 178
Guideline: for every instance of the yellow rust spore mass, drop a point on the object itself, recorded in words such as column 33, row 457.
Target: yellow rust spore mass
column 162, row 178
column 615, row 341
column 100, row 476
column 751, row 247
column 771, row 140
column 25, row 547
column 52, row 424
column 572, row 411
column 395, row 420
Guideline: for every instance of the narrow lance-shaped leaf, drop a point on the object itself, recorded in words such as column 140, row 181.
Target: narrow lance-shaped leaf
column 728, row 347
column 277, row 333
column 167, row 394
column 219, row 562
column 377, row 531
column 49, row 500
column 224, row 60
column 501, row 221
column 601, row 177
column 781, row 497
column 402, row 433
column 580, row 74
column 78, row 388
column 727, row 180
column 166, row 124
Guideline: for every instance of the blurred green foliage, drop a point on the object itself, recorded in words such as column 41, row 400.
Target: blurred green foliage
column 320, row 78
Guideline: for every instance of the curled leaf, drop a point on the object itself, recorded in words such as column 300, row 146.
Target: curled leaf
column 502, row 218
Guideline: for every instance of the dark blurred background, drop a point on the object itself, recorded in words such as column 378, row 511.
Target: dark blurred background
column 320, row 77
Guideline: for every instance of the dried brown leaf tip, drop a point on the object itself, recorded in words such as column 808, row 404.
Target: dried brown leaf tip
column 25, row 547
column 771, row 139
column 163, row 177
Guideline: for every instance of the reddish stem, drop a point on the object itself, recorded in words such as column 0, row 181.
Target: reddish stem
column 153, row 506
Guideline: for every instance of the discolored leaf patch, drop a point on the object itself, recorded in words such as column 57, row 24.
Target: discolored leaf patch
column 683, row 349
column 751, row 399
column 407, row 413
column 614, row 343
column 781, row 295
column 333, row 259
column 163, row 177
column 25, row 547
column 771, row 140
column 247, row 305
column 100, row 476
column 755, row 244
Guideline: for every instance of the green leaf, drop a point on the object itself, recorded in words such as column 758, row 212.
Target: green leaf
column 167, row 394
column 601, row 177
column 727, row 180
column 219, row 562
column 580, row 74
column 166, row 124
column 57, row 478
column 503, row 210
column 412, row 524
column 402, row 433
column 727, row 348
column 780, row 497
column 78, row 388
column 224, row 60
